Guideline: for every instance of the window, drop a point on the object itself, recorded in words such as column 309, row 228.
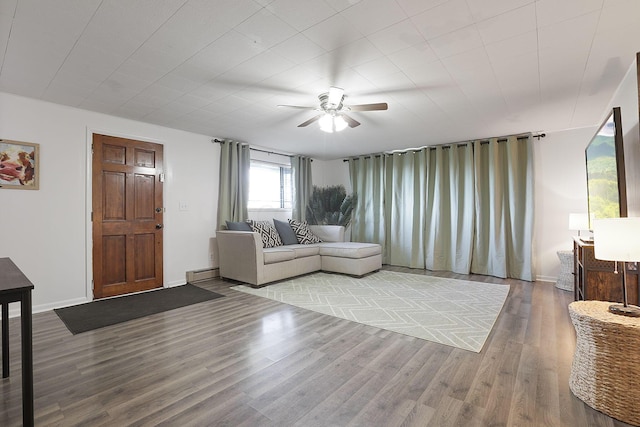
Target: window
column 270, row 186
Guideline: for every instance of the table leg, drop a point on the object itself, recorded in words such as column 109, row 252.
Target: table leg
column 27, row 359
column 5, row 339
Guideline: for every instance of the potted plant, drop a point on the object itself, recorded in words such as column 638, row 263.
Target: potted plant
column 330, row 206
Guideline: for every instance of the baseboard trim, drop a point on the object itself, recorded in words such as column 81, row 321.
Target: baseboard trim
column 546, row 279
column 47, row 307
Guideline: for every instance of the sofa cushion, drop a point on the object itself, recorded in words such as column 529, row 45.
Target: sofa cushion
column 350, row 249
column 279, row 254
column 328, row 233
column 238, row 226
column 268, row 234
column 304, row 235
column 286, row 233
column 305, row 250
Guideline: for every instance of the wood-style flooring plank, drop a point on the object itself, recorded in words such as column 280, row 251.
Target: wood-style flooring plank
column 243, row 360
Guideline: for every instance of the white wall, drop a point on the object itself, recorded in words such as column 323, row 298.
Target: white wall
column 626, row 97
column 46, row 232
column 330, row 173
column 560, row 189
column 561, row 181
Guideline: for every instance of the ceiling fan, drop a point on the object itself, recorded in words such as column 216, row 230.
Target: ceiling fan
column 333, row 117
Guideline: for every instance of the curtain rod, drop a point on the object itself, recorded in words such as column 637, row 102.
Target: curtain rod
column 220, row 141
column 459, row 144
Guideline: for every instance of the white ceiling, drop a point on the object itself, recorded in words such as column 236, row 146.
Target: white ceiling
column 450, row 70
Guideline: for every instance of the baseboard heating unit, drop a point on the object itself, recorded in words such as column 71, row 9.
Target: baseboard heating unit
column 200, row 275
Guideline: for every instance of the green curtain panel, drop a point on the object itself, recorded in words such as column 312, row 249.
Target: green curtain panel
column 302, row 186
column 450, row 202
column 233, row 191
column 461, row 208
column 368, row 222
column 405, row 211
column 504, row 208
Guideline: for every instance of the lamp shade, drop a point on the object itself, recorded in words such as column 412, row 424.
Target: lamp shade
column 578, row 221
column 617, row 239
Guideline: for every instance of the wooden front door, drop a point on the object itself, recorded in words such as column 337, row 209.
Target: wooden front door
column 127, row 216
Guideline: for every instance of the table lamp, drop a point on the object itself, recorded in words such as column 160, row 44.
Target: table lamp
column 578, row 221
column 617, row 239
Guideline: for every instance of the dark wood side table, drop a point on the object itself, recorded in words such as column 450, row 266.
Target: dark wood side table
column 595, row 279
column 15, row 287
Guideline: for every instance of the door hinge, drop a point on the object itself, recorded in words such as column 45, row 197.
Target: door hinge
column 161, row 177
column 91, row 216
column 91, row 148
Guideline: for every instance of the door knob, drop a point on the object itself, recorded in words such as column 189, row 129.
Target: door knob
column 158, row 226
column 158, row 210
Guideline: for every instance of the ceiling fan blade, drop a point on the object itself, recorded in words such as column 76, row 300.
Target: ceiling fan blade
column 311, row 120
column 369, row 107
column 299, row 107
column 351, row 122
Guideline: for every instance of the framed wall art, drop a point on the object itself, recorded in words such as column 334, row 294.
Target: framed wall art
column 19, row 165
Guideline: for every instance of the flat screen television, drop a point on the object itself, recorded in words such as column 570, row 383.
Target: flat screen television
column 606, row 182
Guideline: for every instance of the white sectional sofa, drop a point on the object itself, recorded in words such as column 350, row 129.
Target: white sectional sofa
column 242, row 257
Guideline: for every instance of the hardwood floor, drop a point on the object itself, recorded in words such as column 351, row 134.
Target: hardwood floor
column 243, row 360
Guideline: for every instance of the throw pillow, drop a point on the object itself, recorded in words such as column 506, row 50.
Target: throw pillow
column 304, row 235
column 268, row 234
column 286, row 233
column 238, row 226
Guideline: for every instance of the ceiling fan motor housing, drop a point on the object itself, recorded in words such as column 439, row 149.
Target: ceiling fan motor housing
column 328, row 107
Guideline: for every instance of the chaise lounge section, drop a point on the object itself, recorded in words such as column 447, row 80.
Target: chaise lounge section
column 243, row 258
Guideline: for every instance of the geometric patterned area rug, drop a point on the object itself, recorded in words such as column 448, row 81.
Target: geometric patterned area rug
column 457, row 313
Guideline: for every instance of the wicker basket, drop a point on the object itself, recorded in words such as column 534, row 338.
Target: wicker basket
column 605, row 372
column 565, row 278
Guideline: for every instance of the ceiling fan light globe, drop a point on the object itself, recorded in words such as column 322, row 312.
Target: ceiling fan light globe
column 326, row 123
column 340, row 123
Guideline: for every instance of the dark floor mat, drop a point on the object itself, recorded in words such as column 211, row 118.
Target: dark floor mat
column 101, row 313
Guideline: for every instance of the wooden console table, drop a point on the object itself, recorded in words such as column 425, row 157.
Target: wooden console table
column 15, row 287
column 606, row 365
column 595, row 279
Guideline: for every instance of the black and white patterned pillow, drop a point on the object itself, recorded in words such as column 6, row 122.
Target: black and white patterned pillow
column 303, row 234
column 268, row 234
